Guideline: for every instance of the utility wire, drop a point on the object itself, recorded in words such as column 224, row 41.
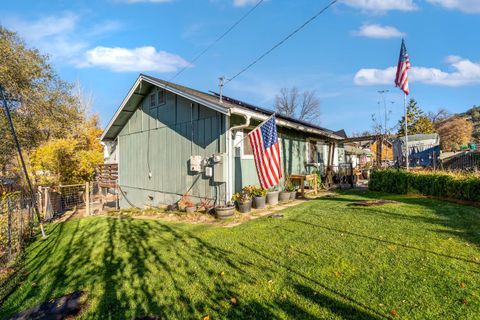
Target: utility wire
column 282, row 41
column 217, row 40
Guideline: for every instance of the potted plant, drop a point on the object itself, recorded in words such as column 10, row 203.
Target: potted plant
column 225, row 212
column 243, row 201
column 259, row 194
column 272, row 196
column 186, row 204
column 285, row 194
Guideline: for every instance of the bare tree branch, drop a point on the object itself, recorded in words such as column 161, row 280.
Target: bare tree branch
column 301, row 105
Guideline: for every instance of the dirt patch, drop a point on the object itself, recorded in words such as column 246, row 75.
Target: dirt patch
column 370, row 203
column 66, row 307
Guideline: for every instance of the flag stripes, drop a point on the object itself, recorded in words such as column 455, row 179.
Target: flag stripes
column 266, row 153
column 401, row 79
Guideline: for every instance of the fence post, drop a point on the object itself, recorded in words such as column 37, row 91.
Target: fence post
column 9, row 212
column 351, row 175
column 87, row 197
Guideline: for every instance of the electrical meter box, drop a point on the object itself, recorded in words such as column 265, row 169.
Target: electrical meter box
column 195, row 163
column 220, row 161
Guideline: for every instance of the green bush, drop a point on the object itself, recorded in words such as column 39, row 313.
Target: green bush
column 437, row 184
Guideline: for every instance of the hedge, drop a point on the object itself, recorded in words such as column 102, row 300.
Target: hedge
column 437, row 184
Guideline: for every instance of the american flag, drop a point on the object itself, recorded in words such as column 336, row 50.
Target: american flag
column 266, row 152
column 401, row 80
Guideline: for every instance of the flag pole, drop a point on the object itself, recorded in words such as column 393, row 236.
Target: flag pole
column 406, row 129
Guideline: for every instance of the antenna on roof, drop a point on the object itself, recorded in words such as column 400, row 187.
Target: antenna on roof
column 220, row 85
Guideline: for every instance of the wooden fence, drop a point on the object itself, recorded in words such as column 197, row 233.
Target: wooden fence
column 468, row 161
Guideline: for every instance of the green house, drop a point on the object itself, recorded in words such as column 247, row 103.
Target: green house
column 169, row 140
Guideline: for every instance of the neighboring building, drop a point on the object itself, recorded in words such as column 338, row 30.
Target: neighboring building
column 169, row 140
column 424, row 150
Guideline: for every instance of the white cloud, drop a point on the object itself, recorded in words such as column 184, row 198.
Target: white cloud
column 133, row 60
column 378, row 31
column 465, row 72
column 381, row 5
column 243, row 3
column 468, row 6
column 58, row 35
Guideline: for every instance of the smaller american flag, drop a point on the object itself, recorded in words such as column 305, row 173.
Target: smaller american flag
column 266, row 152
column 401, row 80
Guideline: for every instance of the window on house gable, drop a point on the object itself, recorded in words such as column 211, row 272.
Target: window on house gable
column 161, row 97
column 153, row 100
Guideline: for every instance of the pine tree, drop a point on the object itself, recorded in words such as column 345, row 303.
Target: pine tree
column 418, row 122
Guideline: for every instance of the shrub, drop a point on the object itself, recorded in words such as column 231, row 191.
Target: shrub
column 437, row 184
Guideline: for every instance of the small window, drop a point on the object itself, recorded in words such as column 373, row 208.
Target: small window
column 247, row 148
column 153, row 100
column 161, row 97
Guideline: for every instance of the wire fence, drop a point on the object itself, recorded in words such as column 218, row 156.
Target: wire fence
column 468, row 161
column 16, row 224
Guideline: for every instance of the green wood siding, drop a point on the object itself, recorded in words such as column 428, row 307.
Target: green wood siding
column 161, row 140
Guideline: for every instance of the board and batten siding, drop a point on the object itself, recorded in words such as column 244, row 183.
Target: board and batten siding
column 293, row 154
column 160, row 140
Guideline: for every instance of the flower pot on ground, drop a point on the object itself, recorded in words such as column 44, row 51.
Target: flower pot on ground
column 244, row 207
column 259, row 196
column 284, row 196
column 272, row 197
column 190, row 209
column 293, row 195
column 224, row 212
column 243, row 201
column 259, row 202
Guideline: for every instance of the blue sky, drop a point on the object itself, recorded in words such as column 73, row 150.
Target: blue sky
column 346, row 55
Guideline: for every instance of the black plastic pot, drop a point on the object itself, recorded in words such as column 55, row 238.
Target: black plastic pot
column 284, row 196
column 244, row 207
column 224, row 212
column 259, row 202
column 272, row 198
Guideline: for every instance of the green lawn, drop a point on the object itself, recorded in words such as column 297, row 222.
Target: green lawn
column 418, row 259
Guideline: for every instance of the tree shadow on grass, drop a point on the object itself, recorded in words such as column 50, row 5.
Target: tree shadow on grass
column 333, row 300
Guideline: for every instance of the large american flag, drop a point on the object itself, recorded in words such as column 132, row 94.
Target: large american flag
column 401, row 80
column 266, row 152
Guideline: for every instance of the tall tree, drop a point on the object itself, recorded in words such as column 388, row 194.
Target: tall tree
column 42, row 105
column 418, row 122
column 439, row 115
column 304, row 105
column 454, row 132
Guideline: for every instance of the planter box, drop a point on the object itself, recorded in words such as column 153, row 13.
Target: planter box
column 224, row 212
column 259, row 202
column 272, row 198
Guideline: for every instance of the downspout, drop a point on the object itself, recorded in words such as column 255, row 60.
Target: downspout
column 230, row 151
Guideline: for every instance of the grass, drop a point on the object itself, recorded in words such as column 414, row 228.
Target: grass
column 415, row 259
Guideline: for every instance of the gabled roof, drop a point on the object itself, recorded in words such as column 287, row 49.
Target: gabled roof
column 228, row 106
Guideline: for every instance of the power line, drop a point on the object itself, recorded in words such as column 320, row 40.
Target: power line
column 282, row 41
column 218, row 39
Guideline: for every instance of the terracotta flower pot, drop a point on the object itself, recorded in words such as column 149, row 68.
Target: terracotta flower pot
column 190, row 209
column 272, row 198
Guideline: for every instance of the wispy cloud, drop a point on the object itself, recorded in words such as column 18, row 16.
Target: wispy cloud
column 243, row 3
column 381, row 5
column 60, row 35
column 378, row 31
column 468, row 6
column 133, row 60
column 465, row 73
column 145, row 1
